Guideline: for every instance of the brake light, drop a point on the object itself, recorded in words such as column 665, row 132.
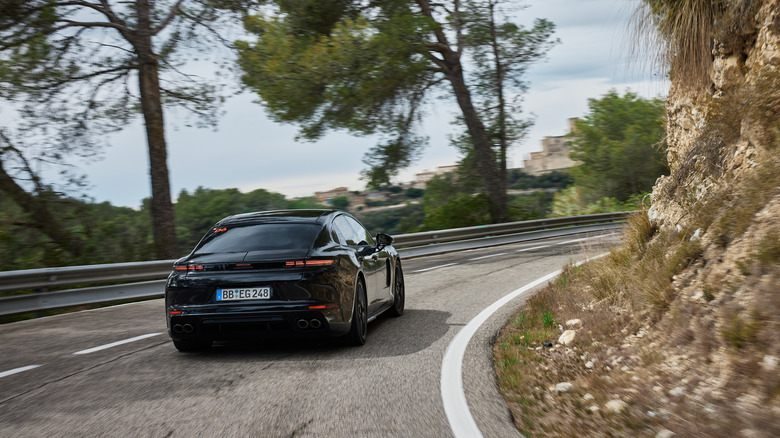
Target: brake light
column 323, row 306
column 188, row 267
column 319, row 262
column 174, row 312
column 309, row 263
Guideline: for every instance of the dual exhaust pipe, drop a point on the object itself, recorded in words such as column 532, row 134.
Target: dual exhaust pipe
column 183, row 328
column 304, row 324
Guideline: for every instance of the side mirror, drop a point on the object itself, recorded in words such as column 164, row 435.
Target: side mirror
column 384, row 239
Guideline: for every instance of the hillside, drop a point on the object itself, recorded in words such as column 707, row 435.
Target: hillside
column 676, row 333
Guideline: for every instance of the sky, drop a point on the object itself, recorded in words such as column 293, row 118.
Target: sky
column 248, row 151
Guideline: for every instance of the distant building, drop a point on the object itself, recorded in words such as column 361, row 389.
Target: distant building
column 421, row 179
column 553, row 156
column 326, row 196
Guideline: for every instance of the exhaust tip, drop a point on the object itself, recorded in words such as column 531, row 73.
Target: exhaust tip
column 315, row 323
column 177, row 328
column 302, row 324
column 188, row 328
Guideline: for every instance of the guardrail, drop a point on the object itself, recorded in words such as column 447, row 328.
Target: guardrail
column 129, row 277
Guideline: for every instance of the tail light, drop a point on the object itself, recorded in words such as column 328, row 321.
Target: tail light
column 187, row 267
column 316, row 262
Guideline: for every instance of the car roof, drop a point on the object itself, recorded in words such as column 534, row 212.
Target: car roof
column 276, row 216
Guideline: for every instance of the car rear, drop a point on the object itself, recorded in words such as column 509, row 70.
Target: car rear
column 258, row 280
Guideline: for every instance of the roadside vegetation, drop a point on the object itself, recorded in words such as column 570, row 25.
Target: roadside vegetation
column 675, row 332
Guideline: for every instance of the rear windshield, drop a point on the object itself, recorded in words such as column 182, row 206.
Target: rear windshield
column 259, row 238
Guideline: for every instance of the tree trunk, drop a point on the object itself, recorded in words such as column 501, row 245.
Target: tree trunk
column 486, row 158
column 149, row 83
column 503, row 141
column 450, row 64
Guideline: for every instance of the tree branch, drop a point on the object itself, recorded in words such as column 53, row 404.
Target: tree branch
column 171, row 14
column 89, row 24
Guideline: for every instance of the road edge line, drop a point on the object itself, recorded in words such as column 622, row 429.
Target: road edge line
column 453, row 397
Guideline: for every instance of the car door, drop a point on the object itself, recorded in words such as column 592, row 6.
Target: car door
column 369, row 257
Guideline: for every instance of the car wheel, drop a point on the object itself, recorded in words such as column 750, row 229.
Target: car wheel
column 399, row 293
column 359, row 327
column 190, row 345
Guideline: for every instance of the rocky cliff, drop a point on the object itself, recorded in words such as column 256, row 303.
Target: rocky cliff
column 678, row 332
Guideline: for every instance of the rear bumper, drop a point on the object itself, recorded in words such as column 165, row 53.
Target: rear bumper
column 216, row 324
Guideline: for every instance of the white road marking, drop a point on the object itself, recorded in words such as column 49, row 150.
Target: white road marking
column 435, row 267
column 488, row 256
column 531, row 249
column 577, row 240
column 114, row 344
column 17, row 370
column 453, row 398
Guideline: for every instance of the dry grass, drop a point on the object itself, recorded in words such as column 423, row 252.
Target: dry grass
column 682, row 34
column 679, row 364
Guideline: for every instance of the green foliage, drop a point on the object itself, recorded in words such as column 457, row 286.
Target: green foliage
column 413, row 193
column 396, row 221
column 198, row 211
column 462, row 210
column 112, row 234
column 353, row 74
column 340, row 202
column 368, row 68
column 617, row 143
column 740, row 332
column 109, row 235
column 537, row 205
column 558, row 179
column 573, row 202
column 307, row 202
column 547, row 320
column 449, row 202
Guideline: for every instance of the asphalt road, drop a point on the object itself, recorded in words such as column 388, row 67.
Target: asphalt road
column 114, row 372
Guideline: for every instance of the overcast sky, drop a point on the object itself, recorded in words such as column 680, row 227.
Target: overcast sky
column 248, row 151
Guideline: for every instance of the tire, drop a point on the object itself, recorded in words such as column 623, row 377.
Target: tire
column 399, row 293
column 359, row 327
column 191, row 345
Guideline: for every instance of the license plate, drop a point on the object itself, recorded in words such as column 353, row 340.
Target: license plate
column 244, row 293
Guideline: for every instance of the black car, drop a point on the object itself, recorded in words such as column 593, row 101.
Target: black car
column 276, row 274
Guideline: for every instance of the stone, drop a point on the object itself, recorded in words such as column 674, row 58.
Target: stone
column 589, row 364
column 587, row 396
column 769, row 363
column 575, row 323
column 567, row 337
column 564, row 387
column 677, row 391
column 615, row 406
column 664, row 433
column 593, row 408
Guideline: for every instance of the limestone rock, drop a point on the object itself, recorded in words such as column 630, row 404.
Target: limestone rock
column 567, row 337
column 769, row 363
column 615, row 406
column 564, row 387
